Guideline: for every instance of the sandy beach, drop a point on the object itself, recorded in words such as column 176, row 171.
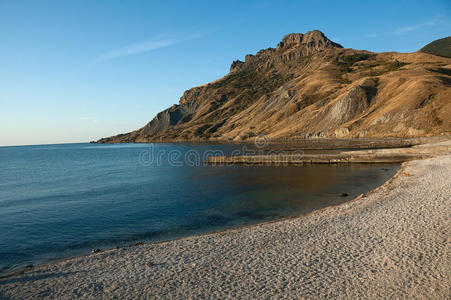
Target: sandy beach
column 390, row 243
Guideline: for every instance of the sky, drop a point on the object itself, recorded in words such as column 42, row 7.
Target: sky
column 76, row 71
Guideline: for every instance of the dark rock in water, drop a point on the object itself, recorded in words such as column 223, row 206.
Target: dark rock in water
column 96, row 250
column 138, row 243
column 29, row 267
column 344, row 194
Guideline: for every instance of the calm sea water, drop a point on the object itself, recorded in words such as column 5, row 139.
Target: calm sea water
column 63, row 200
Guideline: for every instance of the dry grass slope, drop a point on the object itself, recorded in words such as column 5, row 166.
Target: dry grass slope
column 310, row 87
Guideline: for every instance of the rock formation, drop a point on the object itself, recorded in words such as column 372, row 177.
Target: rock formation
column 310, row 87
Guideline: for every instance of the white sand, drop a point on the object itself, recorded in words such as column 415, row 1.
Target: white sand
column 391, row 243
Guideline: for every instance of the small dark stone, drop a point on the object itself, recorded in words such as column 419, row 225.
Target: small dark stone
column 149, row 264
column 344, row 194
column 29, row 267
column 138, row 243
column 96, row 250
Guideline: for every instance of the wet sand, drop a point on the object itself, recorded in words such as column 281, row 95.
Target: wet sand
column 392, row 242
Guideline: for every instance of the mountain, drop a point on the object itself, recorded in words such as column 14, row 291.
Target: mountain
column 441, row 47
column 311, row 87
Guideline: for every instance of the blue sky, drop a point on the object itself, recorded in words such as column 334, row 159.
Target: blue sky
column 75, row 71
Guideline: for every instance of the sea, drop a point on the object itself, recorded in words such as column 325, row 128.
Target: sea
column 59, row 201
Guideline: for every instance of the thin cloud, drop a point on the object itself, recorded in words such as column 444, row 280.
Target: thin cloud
column 90, row 119
column 142, row 47
column 409, row 28
column 135, row 48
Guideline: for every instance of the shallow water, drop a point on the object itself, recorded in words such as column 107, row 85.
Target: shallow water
column 64, row 200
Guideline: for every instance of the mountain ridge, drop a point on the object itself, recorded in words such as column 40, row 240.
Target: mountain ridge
column 310, row 87
column 440, row 47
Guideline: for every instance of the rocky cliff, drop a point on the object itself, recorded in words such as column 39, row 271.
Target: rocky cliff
column 310, row 87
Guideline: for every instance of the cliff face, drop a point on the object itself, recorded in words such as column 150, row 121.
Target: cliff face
column 309, row 87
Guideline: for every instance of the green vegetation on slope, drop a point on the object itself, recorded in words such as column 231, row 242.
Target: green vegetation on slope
column 250, row 85
column 441, row 47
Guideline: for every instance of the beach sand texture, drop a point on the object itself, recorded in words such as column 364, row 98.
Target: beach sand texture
column 391, row 243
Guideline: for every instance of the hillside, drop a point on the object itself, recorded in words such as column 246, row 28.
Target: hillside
column 441, row 47
column 310, row 87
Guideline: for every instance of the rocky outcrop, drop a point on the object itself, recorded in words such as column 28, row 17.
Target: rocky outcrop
column 170, row 117
column 236, row 65
column 310, row 87
column 353, row 103
column 313, row 40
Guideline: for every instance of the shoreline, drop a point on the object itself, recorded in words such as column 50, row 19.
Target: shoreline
column 147, row 250
column 329, row 143
column 393, row 155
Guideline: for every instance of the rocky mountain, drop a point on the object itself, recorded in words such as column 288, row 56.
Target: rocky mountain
column 311, row 87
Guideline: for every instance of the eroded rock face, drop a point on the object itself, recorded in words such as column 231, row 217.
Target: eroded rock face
column 311, row 87
column 315, row 40
column 169, row 117
column 300, row 44
column 290, row 39
column 341, row 132
column 352, row 104
column 236, row 65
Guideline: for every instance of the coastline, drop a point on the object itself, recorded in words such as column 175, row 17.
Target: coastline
column 211, row 265
column 393, row 155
